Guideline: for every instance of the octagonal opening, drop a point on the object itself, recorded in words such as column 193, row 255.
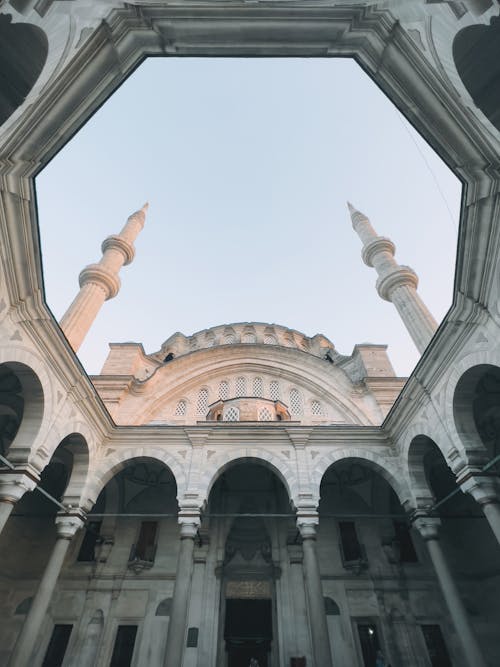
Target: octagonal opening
column 247, row 164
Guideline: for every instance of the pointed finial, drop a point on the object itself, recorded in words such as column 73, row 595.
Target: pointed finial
column 145, row 207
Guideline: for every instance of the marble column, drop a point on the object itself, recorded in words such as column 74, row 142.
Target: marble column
column 176, row 635
column 13, row 485
column 67, row 525
column 315, row 601
column 428, row 527
column 483, row 487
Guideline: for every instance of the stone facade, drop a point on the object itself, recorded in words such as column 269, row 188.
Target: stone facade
column 247, row 489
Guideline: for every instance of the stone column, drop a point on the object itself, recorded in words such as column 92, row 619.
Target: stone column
column 483, row 487
column 13, row 485
column 395, row 283
column 176, row 636
column 67, row 525
column 315, row 601
column 428, row 527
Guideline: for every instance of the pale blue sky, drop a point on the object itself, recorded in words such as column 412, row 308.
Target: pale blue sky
column 247, row 165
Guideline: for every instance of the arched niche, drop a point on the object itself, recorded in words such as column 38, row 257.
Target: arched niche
column 476, row 410
column 463, row 526
column 476, row 52
column 358, row 505
column 32, row 526
column 248, row 520
column 135, row 513
column 224, row 463
column 21, row 407
column 23, row 53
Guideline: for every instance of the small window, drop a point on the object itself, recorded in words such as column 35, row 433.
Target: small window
column 145, row 548
column 269, row 339
column 224, row 390
column 274, row 390
column 248, row 337
column 316, row 409
column 232, row 414
column 241, row 386
column 436, row 648
column 229, row 339
column 180, row 410
column 124, row 646
column 90, row 540
column 265, row 415
column 57, row 646
column 168, row 358
column 370, row 646
column 349, row 543
column 202, row 404
column 295, row 402
column 407, row 553
column 258, row 387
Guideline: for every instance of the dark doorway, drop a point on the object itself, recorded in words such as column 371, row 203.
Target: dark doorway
column 248, row 632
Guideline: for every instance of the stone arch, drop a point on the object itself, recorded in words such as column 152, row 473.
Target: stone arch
column 115, row 461
column 476, row 53
column 278, row 465
column 22, row 399
column 386, row 468
column 77, row 445
column 419, row 446
column 457, row 398
column 476, row 410
column 23, row 52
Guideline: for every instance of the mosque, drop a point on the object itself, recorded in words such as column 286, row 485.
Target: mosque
column 248, row 496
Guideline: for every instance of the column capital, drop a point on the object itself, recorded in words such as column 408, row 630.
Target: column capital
column 484, row 487
column 427, row 526
column 307, row 521
column 189, row 521
column 67, row 524
column 15, row 483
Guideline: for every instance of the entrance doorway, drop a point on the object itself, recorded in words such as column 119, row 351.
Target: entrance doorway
column 248, row 632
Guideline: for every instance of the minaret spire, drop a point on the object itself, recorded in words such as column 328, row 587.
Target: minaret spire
column 395, row 282
column 100, row 282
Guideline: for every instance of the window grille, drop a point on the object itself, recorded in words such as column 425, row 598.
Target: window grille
column 269, row 339
column 248, row 338
column 202, row 404
column 241, row 386
column 295, row 402
column 232, row 414
column 274, row 390
column 258, row 387
column 316, row 408
column 180, row 410
column 229, row 339
column 265, row 415
column 224, row 390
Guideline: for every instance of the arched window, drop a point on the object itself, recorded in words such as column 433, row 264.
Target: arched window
column 202, row 404
column 295, row 402
column 232, row 414
column 181, row 408
column 258, row 387
column 265, row 415
column 241, row 386
column 224, row 390
column 269, row 339
column 274, row 390
column 316, row 408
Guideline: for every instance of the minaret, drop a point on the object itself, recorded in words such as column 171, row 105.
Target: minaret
column 100, row 282
column 395, row 283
